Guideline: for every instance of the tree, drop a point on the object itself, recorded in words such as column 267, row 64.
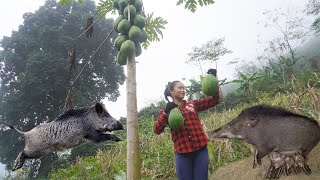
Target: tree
column 313, row 8
column 210, row 51
column 34, row 63
column 152, row 110
column 282, row 56
column 290, row 34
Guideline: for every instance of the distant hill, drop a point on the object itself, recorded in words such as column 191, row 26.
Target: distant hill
column 228, row 88
column 311, row 48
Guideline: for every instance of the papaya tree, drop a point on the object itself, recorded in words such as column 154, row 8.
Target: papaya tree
column 129, row 49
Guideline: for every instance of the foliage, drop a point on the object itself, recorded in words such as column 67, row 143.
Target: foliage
column 65, row 2
column 191, row 5
column 210, row 51
column 194, row 90
column 313, row 8
column 281, row 55
column 152, row 110
column 290, row 33
column 154, row 27
column 232, row 100
column 34, row 72
column 246, row 81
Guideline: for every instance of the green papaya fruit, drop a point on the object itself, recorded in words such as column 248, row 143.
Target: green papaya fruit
column 127, row 48
column 210, row 85
column 175, row 119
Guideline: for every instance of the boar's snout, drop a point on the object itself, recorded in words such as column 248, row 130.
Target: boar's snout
column 116, row 125
column 224, row 132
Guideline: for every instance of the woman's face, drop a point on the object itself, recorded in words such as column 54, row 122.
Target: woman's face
column 178, row 91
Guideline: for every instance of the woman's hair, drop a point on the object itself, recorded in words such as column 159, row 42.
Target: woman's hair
column 169, row 88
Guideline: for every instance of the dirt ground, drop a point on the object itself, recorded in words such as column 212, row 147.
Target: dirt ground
column 242, row 170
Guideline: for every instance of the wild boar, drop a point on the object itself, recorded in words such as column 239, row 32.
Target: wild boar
column 272, row 129
column 70, row 129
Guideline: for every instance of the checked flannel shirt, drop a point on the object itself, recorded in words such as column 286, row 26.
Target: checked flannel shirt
column 191, row 137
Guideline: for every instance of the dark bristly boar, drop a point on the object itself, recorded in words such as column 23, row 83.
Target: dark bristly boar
column 272, row 129
column 74, row 127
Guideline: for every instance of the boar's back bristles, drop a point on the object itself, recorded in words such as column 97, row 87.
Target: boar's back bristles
column 266, row 110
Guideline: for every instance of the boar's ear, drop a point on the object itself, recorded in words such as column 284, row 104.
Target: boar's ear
column 99, row 108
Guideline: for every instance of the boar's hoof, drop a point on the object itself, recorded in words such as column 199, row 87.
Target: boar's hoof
column 19, row 161
column 17, row 167
column 306, row 169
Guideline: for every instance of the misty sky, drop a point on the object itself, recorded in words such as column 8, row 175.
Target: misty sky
column 164, row 61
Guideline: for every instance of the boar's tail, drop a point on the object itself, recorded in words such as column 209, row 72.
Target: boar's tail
column 12, row 127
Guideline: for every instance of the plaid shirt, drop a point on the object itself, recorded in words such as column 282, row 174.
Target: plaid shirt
column 191, row 137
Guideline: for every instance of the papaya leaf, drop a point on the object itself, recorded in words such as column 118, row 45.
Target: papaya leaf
column 200, row 2
column 153, row 28
column 106, row 7
column 207, row 2
column 192, row 5
column 180, row 2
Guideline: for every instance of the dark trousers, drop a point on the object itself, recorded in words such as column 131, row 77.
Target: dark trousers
column 193, row 166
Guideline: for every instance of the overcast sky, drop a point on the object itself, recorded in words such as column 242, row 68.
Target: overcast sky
column 235, row 20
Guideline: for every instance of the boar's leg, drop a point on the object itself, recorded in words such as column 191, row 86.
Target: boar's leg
column 260, row 155
column 98, row 137
column 306, row 169
column 19, row 161
column 255, row 153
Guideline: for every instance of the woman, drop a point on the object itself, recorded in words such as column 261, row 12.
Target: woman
column 190, row 141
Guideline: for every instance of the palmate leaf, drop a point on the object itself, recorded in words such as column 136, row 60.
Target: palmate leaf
column 191, row 5
column 153, row 28
column 106, row 7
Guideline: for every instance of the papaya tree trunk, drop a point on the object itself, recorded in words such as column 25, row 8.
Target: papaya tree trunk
column 133, row 153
